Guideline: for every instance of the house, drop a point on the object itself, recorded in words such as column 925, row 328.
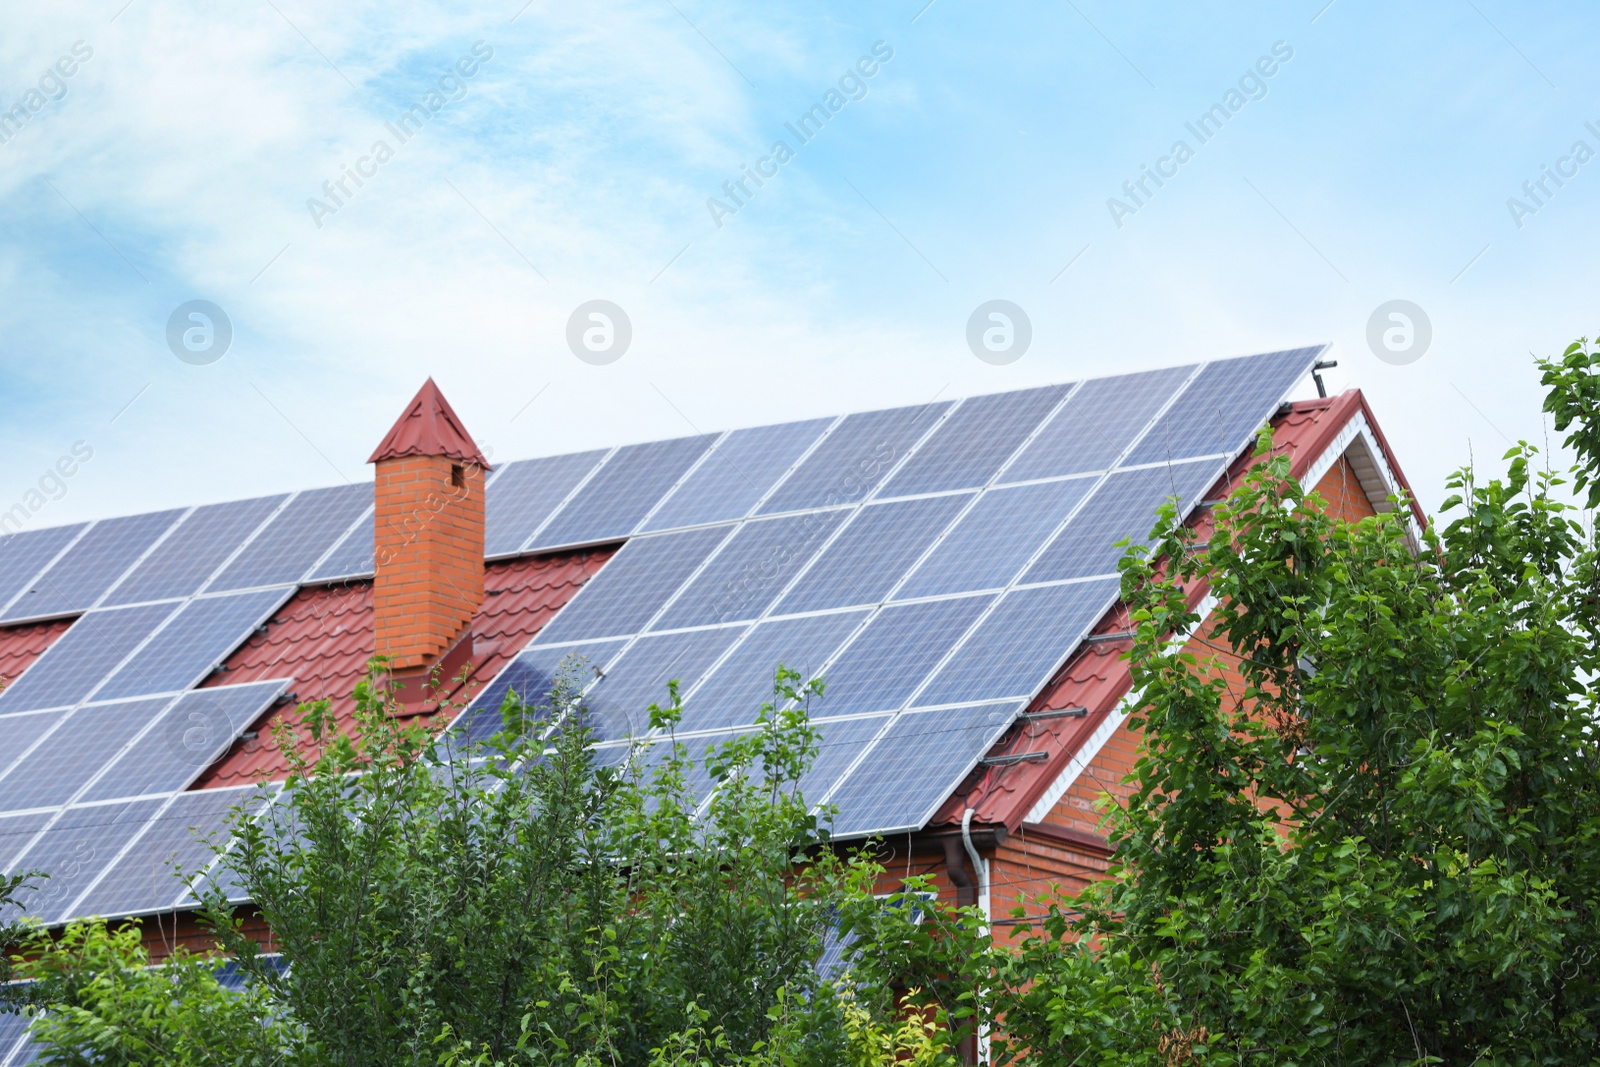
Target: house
column 949, row 568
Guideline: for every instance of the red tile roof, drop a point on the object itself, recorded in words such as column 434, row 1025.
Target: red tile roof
column 1096, row 676
column 21, row 645
column 429, row 426
column 324, row 636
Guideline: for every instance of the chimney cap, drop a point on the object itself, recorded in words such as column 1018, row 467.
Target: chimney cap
column 429, row 427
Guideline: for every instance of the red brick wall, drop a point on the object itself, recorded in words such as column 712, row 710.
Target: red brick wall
column 429, row 542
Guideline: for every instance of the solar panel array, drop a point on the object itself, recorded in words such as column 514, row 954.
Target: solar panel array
column 103, row 734
column 934, row 563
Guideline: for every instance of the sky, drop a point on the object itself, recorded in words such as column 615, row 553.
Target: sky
column 558, row 154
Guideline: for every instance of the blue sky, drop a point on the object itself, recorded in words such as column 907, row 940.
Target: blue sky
column 577, row 161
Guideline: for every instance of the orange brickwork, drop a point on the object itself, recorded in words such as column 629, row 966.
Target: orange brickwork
column 429, row 555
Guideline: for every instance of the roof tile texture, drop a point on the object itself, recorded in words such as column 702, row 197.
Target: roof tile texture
column 21, row 645
column 323, row 638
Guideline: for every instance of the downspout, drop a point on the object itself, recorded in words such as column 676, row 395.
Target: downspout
column 980, row 1047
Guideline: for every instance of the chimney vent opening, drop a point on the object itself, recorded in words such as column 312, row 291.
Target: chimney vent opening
column 458, row 477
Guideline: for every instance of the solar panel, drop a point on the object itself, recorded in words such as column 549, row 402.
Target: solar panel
column 839, row 743
column 12, row 1027
column 146, row 878
column 872, row 554
column 856, row 455
column 632, row 586
column 979, row 436
column 80, row 746
column 738, row 687
column 184, row 740
column 751, row 570
column 90, row 567
column 196, row 640
column 522, row 496
column 621, row 492
column 1124, row 506
column 80, row 658
column 904, row 778
column 353, row 556
column 1224, row 406
column 1097, row 424
column 1014, row 650
column 310, row 524
column 993, row 541
column 74, row 850
column 15, row 833
column 17, row 735
column 532, row 676
column 270, row 803
column 894, row 653
column 736, row 474
column 24, row 554
column 617, row 702
column 181, row 564
column 696, row 778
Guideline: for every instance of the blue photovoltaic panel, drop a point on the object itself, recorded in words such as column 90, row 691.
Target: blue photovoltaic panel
column 180, row 565
column 308, row 526
column 734, row 693
column 85, row 742
column 184, row 741
column 532, row 676
column 991, row 543
column 74, row 850
column 1123, row 506
column 353, row 556
column 87, row 569
column 618, row 701
column 17, row 733
column 1225, row 405
column 751, row 570
column 622, row 492
column 872, row 553
column 841, row 742
column 891, row 657
column 1096, row 425
column 696, row 779
column 82, row 657
column 194, row 642
column 739, row 470
column 146, row 878
column 1015, row 649
column 632, row 586
column 854, row 458
column 909, row 773
column 12, row 1027
column 23, row 555
column 969, row 447
column 523, row 495
column 15, row 833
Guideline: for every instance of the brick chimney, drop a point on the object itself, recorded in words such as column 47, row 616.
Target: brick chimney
column 428, row 546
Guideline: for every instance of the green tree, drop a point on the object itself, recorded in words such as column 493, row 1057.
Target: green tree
column 523, row 902
column 107, row 1007
column 1384, row 847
